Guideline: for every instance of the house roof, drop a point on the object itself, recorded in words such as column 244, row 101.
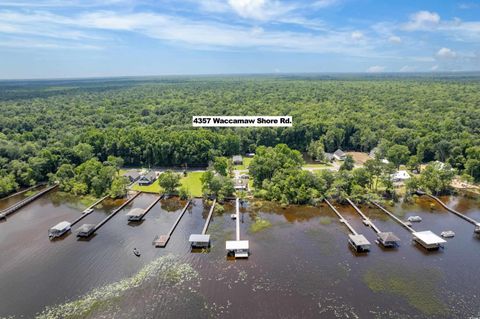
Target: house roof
column 133, row 174
column 136, row 212
column 237, row 158
column 149, row 175
column 359, row 240
column 339, row 152
column 388, row 237
column 199, row 238
column 428, row 237
column 401, row 175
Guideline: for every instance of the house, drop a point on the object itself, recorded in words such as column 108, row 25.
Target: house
column 241, row 184
column 132, row 175
column 339, row 155
column 237, row 160
column 400, row 176
column 147, row 178
column 329, row 157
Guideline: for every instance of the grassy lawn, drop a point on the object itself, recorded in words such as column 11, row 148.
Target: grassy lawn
column 152, row 188
column 246, row 163
column 317, row 166
column 192, row 183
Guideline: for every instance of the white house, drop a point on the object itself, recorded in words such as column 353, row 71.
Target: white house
column 339, row 155
column 400, row 176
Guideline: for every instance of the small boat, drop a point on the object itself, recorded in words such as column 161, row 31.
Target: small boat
column 366, row 222
column 136, row 252
column 414, row 219
column 447, row 234
column 88, row 211
column 233, row 216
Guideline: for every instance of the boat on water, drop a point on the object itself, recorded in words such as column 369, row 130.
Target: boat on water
column 136, row 252
column 233, row 216
column 447, row 234
column 59, row 229
column 88, row 211
column 414, row 219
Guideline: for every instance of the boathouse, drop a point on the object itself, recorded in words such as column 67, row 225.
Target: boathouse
column 428, row 239
column 59, row 229
column 237, row 248
column 388, row 239
column 199, row 240
column 359, row 242
column 135, row 214
column 85, row 230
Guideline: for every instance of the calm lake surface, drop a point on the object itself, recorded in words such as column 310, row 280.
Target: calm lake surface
column 300, row 265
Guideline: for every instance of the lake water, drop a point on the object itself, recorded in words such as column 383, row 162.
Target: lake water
column 300, row 264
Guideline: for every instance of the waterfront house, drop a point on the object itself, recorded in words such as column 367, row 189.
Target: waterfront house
column 147, row 178
column 132, row 175
column 339, row 155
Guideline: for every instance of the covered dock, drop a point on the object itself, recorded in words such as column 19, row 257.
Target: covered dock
column 137, row 214
column 426, row 239
column 386, row 239
column 237, row 248
column 356, row 240
column 203, row 240
column 162, row 240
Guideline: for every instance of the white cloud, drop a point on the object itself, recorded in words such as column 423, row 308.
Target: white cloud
column 394, row 39
column 422, row 20
column 446, row 53
column 376, row 69
column 325, row 3
column 434, row 68
column 357, row 35
column 260, row 9
column 408, row 68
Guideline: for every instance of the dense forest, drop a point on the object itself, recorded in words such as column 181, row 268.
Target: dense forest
column 147, row 121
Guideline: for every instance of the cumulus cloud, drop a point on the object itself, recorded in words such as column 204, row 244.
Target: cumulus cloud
column 394, row 39
column 357, row 35
column 260, row 9
column 446, row 53
column 376, row 69
column 422, row 20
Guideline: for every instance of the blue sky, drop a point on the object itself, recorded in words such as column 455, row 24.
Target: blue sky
column 91, row 38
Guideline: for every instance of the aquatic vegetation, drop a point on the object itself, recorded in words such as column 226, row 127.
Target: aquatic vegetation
column 166, row 269
column 419, row 291
column 325, row 220
column 259, row 224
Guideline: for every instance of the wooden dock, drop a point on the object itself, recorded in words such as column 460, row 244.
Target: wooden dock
column 145, row 212
column 366, row 220
column 451, row 210
column 115, row 212
column 12, row 209
column 88, row 211
column 237, row 248
column 398, row 220
column 162, row 240
column 203, row 240
column 210, row 213
column 356, row 240
column 22, row 191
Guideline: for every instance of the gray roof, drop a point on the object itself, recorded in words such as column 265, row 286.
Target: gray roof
column 339, row 152
column 85, row 228
column 134, row 174
column 359, row 240
column 136, row 212
column 198, row 238
column 388, row 237
column 237, row 158
column 150, row 175
column 329, row 156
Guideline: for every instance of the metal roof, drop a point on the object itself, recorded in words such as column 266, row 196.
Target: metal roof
column 198, row 238
column 358, row 240
column 85, row 228
column 61, row 226
column 388, row 237
column 136, row 212
column 339, row 152
column 428, row 237
column 236, row 244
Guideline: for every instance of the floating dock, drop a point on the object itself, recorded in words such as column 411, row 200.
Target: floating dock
column 426, row 239
column 162, row 240
column 137, row 214
column 203, row 240
column 358, row 241
column 475, row 223
column 237, row 248
column 12, row 209
column 86, row 230
column 386, row 239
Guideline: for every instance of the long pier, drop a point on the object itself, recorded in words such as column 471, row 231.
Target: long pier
column 10, row 210
column 115, row 212
column 151, row 205
column 237, row 248
column 88, row 211
column 163, row 239
column 342, row 220
column 210, row 213
column 22, row 191
column 410, row 229
column 366, row 220
column 451, row 210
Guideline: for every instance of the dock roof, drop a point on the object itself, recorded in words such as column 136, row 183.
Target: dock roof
column 199, row 238
column 359, row 240
column 61, row 226
column 136, row 212
column 428, row 237
column 85, row 228
column 388, row 237
column 236, row 244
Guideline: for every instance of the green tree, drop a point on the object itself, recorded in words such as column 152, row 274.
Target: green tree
column 220, row 164
column 316, row 150
column 398, row 154
column 118, row 187
column 169, row 181
column 348, row 164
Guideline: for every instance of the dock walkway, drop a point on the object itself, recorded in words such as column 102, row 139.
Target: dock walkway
column 161, row 241
column 115, row 212
column 410, row 229
column 10, row 210
column 366, row 220
column 342, row 220
column 88, row 211
column 210, row 213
